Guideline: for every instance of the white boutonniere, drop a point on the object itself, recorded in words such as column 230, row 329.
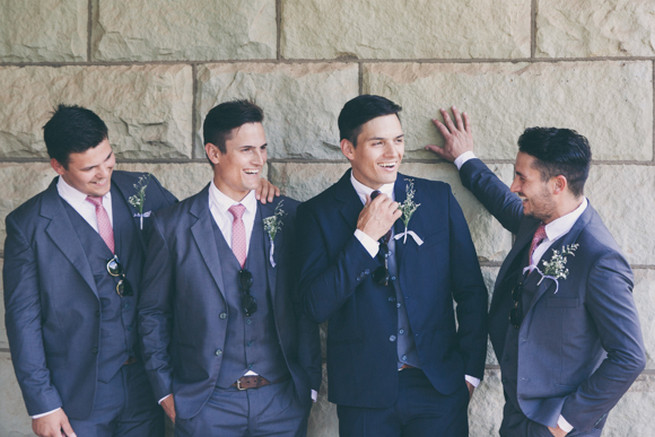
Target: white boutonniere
column 272, row 226
column 556, row 268
column 408, row 208
column 138, row 199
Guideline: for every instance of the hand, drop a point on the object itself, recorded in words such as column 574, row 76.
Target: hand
column 266, row 191
column 457, row 136
column 168, row 404
column 54, row 424
column 378, row 216
column 557, row 431
column 471, row 387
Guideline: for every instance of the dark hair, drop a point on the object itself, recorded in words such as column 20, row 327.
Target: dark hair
column 72, row 129
column 558, row 152
column 221, row 119
column 360, row 110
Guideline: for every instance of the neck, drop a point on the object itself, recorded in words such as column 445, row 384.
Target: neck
column 566, row 206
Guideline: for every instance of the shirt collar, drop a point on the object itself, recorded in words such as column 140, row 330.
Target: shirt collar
column 73, row 195
column 363, row 191
column 223, row 202
column 562, row 225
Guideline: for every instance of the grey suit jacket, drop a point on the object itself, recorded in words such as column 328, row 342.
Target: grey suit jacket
column 51, row 301
column 183, row 311
column 580, row 344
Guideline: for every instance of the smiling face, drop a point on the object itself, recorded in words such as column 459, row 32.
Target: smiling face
column 536, row 194
column 90, row 171
column 239, row 169
column 379, row 151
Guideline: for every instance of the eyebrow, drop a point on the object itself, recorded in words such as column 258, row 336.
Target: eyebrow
column 384, row 138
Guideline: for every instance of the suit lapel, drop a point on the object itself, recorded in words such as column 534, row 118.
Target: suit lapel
column 63, row 235
column 349, row 204
column 203, row 235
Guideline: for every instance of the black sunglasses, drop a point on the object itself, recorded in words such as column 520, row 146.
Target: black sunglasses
column 516, row 313
column 248, row 302
column 115, row 269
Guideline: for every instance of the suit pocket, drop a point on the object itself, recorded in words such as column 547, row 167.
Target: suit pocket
column 562, row 302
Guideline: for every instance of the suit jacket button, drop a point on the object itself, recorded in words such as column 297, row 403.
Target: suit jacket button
column 222, row 316
column 94, row 350
column 392, row 338
column 219, row 352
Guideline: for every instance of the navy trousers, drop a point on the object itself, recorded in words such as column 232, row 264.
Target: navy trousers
column 123, row 407
column 272, row 410
column 419, row 411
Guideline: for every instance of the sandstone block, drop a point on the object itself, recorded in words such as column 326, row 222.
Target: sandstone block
column 146, row 108
column 197, row 30
column 630, row 417
column 323, row 420
column 503, row 99
column 621, row 194
column 587, row 28
column 301, row 102
column 362, row 29
column 14, row 421
column 43, row 30
column 644, row 295
column 4, row 344
column 183, row 179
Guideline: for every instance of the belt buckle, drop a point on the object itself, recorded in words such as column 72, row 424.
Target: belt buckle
column 239, row 385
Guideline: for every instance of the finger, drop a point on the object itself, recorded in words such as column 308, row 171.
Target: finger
column 447, row 121
column 458, row 118
column 67, row 428
column 467, row 122
column 436, row 149
column 443, row 130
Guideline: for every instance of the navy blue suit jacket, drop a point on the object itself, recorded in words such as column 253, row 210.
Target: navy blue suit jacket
column 51, row 302
column 337, row 286
column 580, row 343
column 182, row 332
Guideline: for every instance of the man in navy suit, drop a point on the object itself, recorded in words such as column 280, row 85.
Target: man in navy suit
column 562, row 321
column 226, row 348
column 383, row 257
column 73, row 260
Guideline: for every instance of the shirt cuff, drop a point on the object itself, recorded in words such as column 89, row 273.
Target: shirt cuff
column 472, row 380
column 461, row 159
column 164, row 398
column 38, row 416
column 369, row 243
column 314, row 395
column 564, row 425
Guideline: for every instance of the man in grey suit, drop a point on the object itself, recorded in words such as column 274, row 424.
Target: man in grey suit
column 562, row 320
column 227, row 349
column 73, row 260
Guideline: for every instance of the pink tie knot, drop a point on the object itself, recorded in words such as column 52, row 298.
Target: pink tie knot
column 237, row 211
column 97, row 201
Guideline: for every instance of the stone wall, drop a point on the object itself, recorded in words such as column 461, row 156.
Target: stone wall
column 151, row 69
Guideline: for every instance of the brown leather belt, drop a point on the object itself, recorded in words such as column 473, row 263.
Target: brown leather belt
column 406, row 366
column 253, row 381
column 130, row 360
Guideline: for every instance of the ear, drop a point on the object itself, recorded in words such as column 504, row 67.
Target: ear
column 348, row 149
column 559, row 184
column 213, row 153
column 57, row 166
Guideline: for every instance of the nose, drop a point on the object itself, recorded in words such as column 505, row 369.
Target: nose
column 515, row 187
column 259, row 157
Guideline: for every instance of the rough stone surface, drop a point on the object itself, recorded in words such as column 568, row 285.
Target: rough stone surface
column 15, row 421
column 146, row 108
column 363, row 29
column 503, row 99
column 644, row 295
column 183, row 180
column 588, row 28
column 198, row 30
column 43, row 30
column 301, row 102
column 3, row 332
column 622, row 195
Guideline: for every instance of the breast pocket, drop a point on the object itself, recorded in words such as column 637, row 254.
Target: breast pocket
column 562, row 302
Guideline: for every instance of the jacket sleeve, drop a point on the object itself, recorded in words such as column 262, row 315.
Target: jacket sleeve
column 611, row 306
column 23, row 322
column 156, row 312
column 492, row 193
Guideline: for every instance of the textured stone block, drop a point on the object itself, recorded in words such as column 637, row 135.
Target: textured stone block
column 183, row 180
column 609, row 102
column 146, row 108
column 644, row 295
column 631, row 415
column 4, row 344
column 588, row 28
column 363, row 29
column 196, row 30
column 323, row 420
column 622, row 195
column 301, row 102
column 486, row 406
column 14, row 421
column 43, row 30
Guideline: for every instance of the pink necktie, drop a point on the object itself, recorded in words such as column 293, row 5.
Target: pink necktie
column 104, row 225
column 238, row 233
column 538, row 237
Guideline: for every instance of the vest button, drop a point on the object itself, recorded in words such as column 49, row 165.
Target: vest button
column 392, row 338
column 219, row 352
column 94, row 350
column 222, row 316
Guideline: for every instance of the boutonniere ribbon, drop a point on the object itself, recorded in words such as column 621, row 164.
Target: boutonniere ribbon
column 556, row 268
